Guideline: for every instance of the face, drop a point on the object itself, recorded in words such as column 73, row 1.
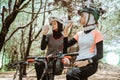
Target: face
column 54, row 25
column 82, row 19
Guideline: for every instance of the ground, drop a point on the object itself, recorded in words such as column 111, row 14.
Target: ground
column 105, row 72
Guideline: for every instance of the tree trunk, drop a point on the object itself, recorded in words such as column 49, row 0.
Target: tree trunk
column 29, row 40
column 30, row 34
column 6, row 26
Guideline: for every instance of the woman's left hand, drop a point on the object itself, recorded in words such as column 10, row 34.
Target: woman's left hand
column 66, row 61
column 81, row 63
column 65, row 32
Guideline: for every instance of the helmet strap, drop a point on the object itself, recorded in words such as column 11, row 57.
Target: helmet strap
column 88, row 19
column 89, row 26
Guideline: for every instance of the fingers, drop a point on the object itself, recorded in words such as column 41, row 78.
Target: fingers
column 67, row 29
column 69, row 25
column 81, row 63
column 75, row 64
column 66, row 61
column 49, row 56
column 78, row 64
column 45, row 29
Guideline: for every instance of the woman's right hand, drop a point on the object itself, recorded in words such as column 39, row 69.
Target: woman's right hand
column 45, row 29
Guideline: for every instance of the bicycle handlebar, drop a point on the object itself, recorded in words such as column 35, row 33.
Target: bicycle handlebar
column 61, row 55
column 18, row 63
column 33, row 57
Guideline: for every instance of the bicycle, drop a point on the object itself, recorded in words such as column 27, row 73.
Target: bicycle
column 20, row 64
column 19, row 69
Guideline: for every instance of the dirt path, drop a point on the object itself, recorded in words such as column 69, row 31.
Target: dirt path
column 100, row 75
column 105, row 72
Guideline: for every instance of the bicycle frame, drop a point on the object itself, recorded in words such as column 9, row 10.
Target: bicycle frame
column 61, row 55
column 44, row 60
column 19, row 65
column 19, row 68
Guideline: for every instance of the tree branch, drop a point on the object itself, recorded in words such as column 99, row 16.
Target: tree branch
column 43, row 22
column 9, row 5
column 24, row 5
column 41, row 12
column 23, row 26
column 20, row 28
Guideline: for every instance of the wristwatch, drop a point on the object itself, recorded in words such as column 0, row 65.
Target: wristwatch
column 90, row 60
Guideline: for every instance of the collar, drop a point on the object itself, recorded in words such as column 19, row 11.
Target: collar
column 87, row 28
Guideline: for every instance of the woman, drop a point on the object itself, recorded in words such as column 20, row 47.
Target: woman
column 90, row 43
column 54, row 42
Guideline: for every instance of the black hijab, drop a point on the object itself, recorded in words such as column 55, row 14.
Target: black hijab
column 57, row 34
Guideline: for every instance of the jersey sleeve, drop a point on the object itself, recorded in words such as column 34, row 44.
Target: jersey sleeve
column 98, row 36
column 76, row 36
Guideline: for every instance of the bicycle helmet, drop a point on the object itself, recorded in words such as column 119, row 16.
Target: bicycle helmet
column 55, row 19
column 59, row 21
column 93, row 11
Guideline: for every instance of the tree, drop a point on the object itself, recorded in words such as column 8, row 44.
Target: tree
column 9, row 19
column 26, row 37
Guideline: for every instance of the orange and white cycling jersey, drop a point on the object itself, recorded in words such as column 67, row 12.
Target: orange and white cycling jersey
column 87, row 43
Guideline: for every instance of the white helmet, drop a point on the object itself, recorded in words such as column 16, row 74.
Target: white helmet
column 54, row 19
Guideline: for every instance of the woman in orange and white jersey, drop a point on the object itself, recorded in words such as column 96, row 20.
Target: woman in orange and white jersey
column 90, row 43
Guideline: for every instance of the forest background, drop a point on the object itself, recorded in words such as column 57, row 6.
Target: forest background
column 21, row 22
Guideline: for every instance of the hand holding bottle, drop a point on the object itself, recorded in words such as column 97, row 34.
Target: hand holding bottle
column 65, row 32
column 45, row 29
